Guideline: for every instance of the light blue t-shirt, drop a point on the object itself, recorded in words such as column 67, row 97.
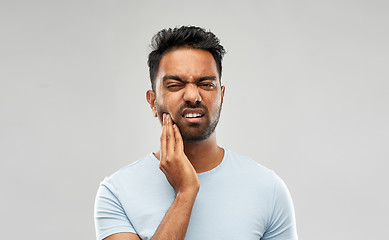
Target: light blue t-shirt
column 239, row 199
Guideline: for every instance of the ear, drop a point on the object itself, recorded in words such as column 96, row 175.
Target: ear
column 150, row 97
column 223, row 89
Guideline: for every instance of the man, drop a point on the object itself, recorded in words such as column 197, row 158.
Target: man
column 191, row 188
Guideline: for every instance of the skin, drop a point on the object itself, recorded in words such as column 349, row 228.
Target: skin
column 186, row 77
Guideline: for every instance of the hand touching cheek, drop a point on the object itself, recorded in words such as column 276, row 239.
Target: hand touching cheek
column 173, row 161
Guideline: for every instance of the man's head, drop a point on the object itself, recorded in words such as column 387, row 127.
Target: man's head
column 185, row 70
column 186, row 36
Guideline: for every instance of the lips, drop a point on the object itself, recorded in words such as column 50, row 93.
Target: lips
column 192, row 113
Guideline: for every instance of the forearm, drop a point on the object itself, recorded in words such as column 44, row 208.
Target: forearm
column 175, row 223
column 182, row 177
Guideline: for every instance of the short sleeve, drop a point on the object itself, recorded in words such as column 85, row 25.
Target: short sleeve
column 110, row 218
column 282, row 224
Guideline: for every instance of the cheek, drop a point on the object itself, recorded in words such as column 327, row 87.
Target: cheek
column 213, row 101
column 215, row 106
column 169, row 102
column 163, row 107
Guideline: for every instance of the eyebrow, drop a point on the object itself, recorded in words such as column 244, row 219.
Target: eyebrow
column 200, row 79
column 173, row 77
column 213, row 78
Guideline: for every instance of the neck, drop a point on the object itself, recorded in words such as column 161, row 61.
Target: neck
column 204, row 155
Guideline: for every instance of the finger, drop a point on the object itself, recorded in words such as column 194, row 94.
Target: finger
column 162, row 169
column 171, row 142
column 163, row 140
column 178, row 137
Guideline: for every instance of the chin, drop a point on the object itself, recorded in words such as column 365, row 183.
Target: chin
column 196, row 137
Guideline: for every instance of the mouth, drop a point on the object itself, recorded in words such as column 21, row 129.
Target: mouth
column 193, row 115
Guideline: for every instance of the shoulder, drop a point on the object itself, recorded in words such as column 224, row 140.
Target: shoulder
column 247, row 164
column 138, row 171
column 252, row 171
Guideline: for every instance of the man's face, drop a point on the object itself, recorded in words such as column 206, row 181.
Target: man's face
column 188, row 88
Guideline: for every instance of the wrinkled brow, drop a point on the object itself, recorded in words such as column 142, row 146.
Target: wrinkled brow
column 166, row 77
column 173, row 77
column 213, row 78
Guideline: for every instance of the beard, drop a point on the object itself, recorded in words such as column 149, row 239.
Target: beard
column 194, row 132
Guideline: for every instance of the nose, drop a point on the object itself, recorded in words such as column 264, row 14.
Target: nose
column 192, row 93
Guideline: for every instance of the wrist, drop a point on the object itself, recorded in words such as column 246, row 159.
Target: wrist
column 187, row 194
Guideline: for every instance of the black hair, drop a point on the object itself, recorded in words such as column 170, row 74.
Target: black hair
column 185, row 36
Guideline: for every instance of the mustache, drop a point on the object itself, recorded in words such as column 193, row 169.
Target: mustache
column 192, row 105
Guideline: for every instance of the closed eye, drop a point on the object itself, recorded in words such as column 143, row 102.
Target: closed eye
column 174, row 87
column 207, row 86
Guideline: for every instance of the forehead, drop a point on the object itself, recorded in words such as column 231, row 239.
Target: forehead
column 186, row 63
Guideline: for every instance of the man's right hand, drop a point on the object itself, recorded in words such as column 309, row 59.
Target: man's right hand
column 183, row 178
column 173, row 161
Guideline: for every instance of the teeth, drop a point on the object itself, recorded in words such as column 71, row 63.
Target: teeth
column 192, row 115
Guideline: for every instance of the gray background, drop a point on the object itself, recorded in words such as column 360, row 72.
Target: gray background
column 307, row 95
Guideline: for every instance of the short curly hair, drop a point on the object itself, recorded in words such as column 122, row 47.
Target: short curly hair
column 185, row 36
